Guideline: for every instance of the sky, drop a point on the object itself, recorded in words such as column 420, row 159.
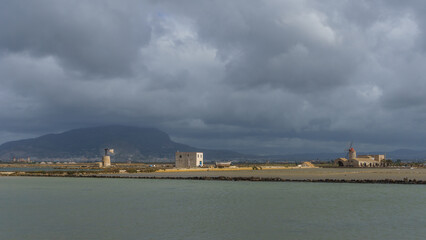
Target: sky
column 264, row 77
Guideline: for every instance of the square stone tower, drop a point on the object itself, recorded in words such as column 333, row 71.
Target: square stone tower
column 189, row 159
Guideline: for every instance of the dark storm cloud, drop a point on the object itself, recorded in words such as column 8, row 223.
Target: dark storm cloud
column 267, row 77
column 286, row 47
column 91, row 37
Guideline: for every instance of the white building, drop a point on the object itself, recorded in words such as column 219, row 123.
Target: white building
column 189, row 159
column 361, row 160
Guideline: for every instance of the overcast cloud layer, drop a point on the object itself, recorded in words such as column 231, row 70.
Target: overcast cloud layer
column 263, row 77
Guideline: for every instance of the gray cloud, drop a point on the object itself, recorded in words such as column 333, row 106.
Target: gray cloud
column 98, row 38
column 266, row 77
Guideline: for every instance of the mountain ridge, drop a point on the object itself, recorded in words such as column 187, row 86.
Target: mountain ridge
column 131, row 143
column 147, row 144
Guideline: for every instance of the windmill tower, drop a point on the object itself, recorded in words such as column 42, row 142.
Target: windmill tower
column 106, row 159
column 351, row 153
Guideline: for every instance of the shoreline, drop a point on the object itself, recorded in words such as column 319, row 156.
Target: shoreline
column 235, row 179
column 275, row 174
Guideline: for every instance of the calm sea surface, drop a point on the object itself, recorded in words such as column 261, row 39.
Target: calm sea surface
column 46, row 169
column 83, row 208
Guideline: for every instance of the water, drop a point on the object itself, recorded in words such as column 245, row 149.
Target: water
column 45, row 169
column 82, row 208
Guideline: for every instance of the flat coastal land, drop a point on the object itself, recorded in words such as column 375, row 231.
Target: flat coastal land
column 297, row 174
column 401, row 175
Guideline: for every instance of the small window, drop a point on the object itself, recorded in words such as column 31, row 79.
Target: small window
column 180, row 156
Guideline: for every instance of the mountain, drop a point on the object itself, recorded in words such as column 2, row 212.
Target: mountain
column 407, row 154
column 297, row 157
column 145, row 144
column 129, row 143
column 402, row 154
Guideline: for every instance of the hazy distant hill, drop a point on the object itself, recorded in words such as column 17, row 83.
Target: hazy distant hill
column 130, row 143
column 402, row 154
column 407, row 154
column 144, row 144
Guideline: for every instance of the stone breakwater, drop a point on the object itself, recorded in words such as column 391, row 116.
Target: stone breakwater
column 226, row 178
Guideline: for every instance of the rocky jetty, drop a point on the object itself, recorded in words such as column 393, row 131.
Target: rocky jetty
column 226, row 178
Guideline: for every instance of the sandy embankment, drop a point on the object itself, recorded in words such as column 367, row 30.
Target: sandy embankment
column 354, row 175
column 418, row 174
